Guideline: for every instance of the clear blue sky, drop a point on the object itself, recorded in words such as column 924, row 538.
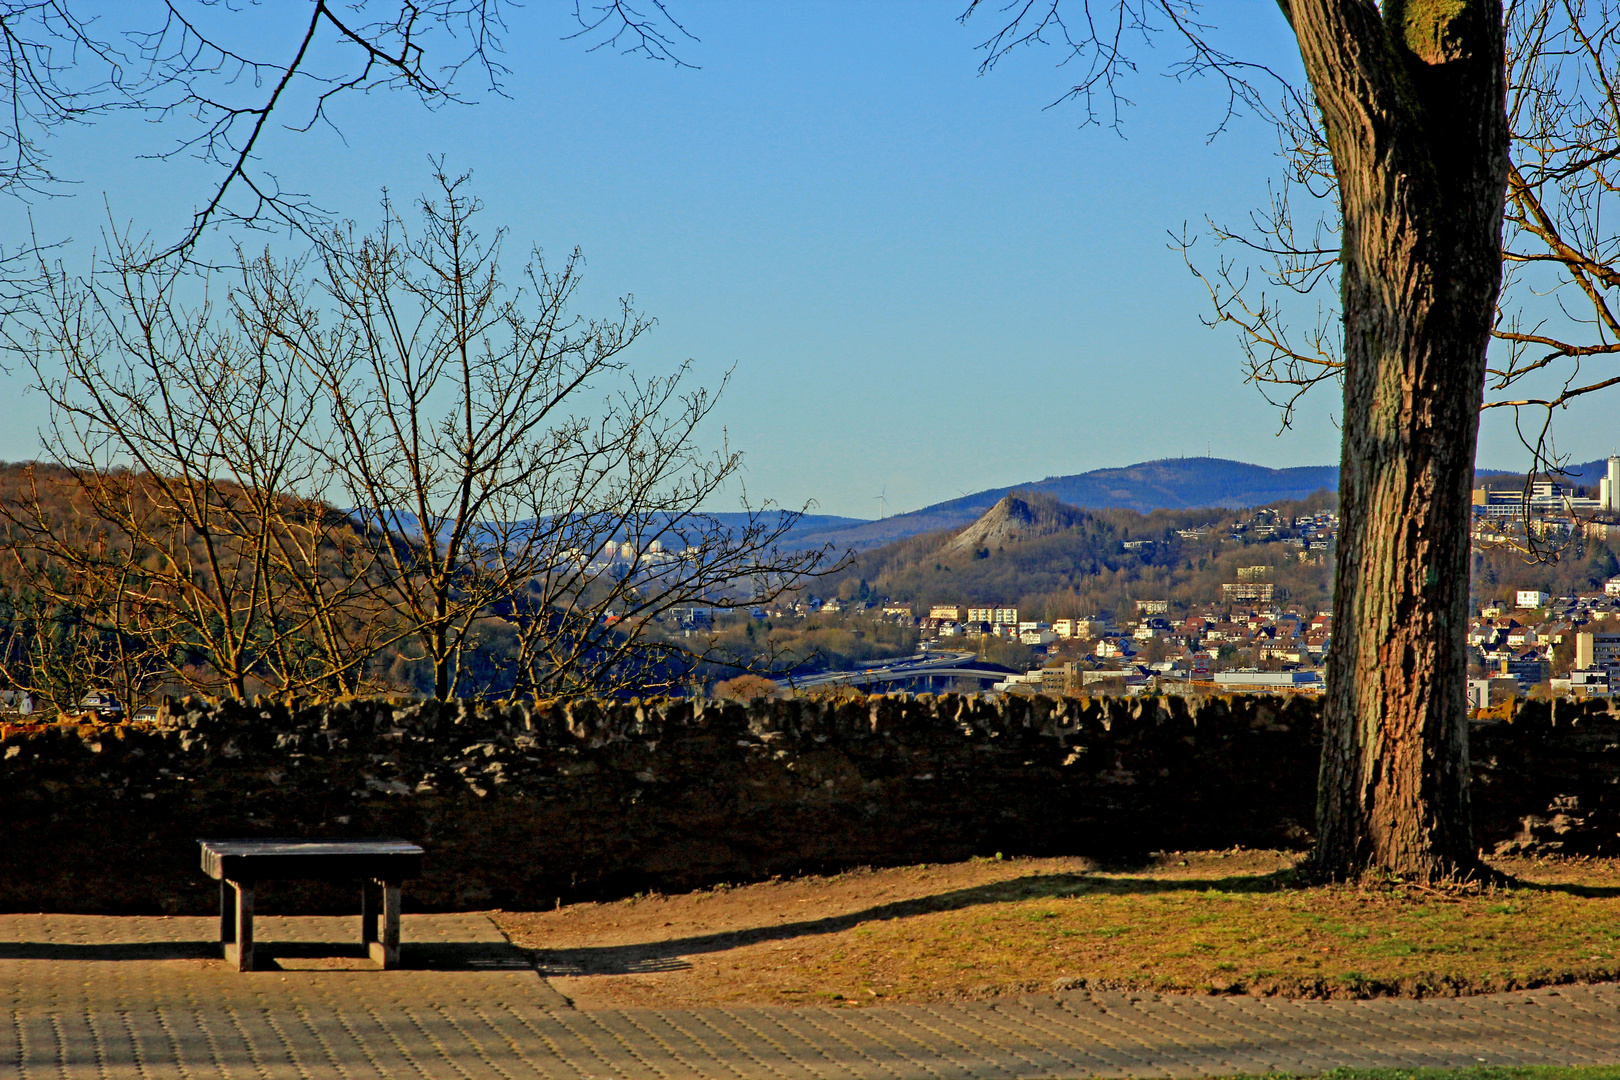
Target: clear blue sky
column 927, row 282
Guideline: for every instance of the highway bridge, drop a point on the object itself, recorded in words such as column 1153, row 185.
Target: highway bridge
column 933, row 670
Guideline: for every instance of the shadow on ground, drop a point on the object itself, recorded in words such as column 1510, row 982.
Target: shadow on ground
column 653, row 956
column 420, row 956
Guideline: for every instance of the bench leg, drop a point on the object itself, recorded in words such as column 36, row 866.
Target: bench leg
column 227, row 916
column 368, row 915
column 386, row 951
column 241, row 948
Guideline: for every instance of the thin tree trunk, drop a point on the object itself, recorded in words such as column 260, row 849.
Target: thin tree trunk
column 1413, row 104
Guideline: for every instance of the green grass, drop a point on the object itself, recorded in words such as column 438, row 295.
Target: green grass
column 1200, row 923
column 1472, row 1072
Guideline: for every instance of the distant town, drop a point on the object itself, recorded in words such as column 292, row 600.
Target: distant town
column 1246, row 634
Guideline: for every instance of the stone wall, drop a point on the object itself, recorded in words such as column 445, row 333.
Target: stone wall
column 522, row 804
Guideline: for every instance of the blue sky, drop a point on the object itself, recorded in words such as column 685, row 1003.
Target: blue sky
column 927, row 282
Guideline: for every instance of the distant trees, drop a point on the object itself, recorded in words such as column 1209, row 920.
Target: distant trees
column 745, row 688
column 384, row 447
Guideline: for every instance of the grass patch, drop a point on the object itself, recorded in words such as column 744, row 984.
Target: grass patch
column 1191, row 923
column 1473, row 1072
column 1252, row 934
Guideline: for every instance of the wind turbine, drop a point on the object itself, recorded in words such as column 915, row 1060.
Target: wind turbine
column 883, row 498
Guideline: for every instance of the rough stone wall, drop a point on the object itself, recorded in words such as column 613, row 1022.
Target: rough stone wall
column 521, row 804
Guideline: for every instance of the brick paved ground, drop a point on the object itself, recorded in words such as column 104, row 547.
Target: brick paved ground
column 142, row 997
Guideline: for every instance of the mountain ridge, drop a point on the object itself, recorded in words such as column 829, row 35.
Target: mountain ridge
column 1160, row 484
column 1166, row 483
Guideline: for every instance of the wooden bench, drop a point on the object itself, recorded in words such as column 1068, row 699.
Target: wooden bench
column 239, row 864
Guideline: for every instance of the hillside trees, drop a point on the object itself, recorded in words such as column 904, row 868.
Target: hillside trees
column 398, row 375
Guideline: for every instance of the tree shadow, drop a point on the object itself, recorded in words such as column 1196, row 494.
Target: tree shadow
column 1571, row 888
column 664, row 955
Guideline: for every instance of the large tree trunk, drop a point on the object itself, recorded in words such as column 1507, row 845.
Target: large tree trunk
column 1413, row 104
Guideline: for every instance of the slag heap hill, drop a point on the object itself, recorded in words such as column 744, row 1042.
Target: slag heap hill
column 1017, row 517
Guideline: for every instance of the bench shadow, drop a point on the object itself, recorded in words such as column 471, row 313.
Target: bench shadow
column 131, row 950
column 414, row 956
column 655, row 956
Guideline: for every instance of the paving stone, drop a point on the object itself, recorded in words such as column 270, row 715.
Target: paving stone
column 115, row 998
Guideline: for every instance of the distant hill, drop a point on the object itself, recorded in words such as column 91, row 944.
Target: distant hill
column 1016, row 518
column 1585, row 474
column 1053, row 560
column 805, row 531
column 1168, row 484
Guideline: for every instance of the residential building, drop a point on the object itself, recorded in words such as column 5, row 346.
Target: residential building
column 1030, row 683
column 1247, row 590
column 1061, row 679
column 1594, row 649
column 1529, row 669
column 946, row 612
column 1584, row 684
column 1531, row 598
column 1488, row 693
column 1152, row 607
column 1251, row 681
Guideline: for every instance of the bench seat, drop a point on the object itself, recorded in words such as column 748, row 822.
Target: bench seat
column 238, row 865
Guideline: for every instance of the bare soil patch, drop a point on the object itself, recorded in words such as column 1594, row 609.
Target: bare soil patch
column 1201, row 922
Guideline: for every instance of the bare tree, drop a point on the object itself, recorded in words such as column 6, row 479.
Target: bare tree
column 397, row 375
column 1555, row 317
column 225, row 84
column 184, row 441
column 455, row 434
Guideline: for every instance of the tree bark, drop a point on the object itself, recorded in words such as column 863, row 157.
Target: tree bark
column 1413, row 103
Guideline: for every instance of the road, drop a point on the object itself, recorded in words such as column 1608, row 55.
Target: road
column 964, row 665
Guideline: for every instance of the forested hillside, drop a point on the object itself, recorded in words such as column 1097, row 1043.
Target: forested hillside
column 1077, row 562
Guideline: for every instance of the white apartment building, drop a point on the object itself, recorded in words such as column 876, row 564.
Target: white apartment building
column 1531, row 598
